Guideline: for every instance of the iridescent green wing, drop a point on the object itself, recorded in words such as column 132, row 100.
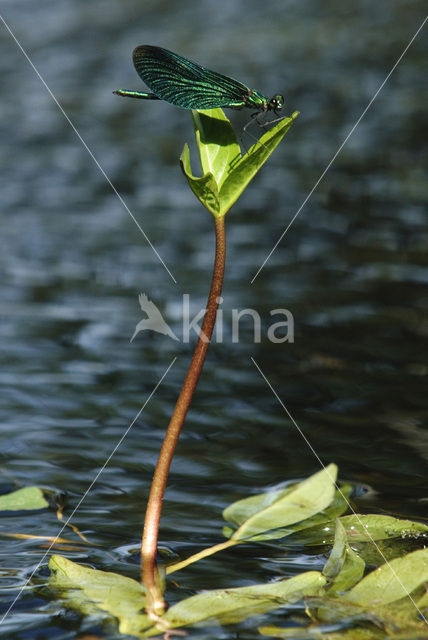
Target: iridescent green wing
column 184, row 83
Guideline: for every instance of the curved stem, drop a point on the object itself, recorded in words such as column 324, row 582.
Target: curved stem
column 156, row 603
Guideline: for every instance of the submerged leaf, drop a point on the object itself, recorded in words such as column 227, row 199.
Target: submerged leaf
column 24, row 499
column 263, row 517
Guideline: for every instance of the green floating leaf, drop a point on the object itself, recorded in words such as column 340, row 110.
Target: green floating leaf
column 339, row 505
column 99, row 592
column 392, row 581
column 375, row 554
column 255, row 503
column 344, row 567
column 366, row 528
column 263, row 517
column 388, row 598
column 25, row 499
column 228, row 606
column 225, row 174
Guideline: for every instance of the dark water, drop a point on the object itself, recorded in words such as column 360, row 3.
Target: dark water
column 353, row 270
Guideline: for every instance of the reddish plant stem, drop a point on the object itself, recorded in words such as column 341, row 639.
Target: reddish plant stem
column 156, row 603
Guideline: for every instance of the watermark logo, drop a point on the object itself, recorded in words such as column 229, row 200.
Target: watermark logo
column 154, row 320
column 280, row 328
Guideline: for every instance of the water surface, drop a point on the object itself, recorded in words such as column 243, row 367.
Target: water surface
column 352, row 269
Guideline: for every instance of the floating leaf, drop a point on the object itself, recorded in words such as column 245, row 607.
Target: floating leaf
column 103, row 593
column 26, row 499
column 227, row 606
column 366, row 528
column 262, row 517
column 363, row 528
column 254, row 504
column 381, row 599
column 391, row 581
column 376, row 553
column 100, row 592
column 239, row 512
column 344, row 567
column 339, row 505
column 389, row 597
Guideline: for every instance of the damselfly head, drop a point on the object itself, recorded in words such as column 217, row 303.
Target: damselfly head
column 276, row 103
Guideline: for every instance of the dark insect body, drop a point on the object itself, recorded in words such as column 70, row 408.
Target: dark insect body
column 188, row 85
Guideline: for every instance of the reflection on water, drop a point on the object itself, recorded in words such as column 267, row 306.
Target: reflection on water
column 352, row 269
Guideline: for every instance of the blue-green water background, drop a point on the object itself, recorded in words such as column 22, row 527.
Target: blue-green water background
column 353, row 270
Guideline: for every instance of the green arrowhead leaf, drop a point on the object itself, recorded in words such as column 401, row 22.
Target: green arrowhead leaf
column 344, row 567
column 23, row 499
column 262, row 517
